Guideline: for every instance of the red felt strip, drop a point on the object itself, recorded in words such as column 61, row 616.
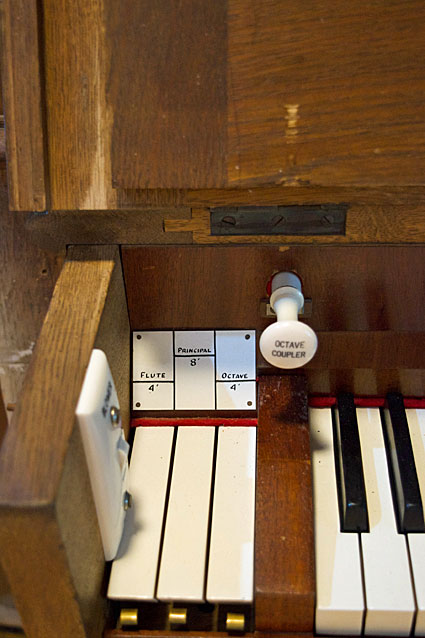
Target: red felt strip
column 416, row 403
column 164, row 421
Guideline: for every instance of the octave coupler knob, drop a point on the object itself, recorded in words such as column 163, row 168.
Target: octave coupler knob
column 288, row 343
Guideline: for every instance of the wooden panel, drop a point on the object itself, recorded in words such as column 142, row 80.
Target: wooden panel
column 319, row 102
column 55, row 572
column 21, row 77
column 61, row 228
column 284, row 553
column 28, row 276
column 352, row 288
column 364, row 224
column 366, row 381
column 168, row 93
column 277, row 194
column 3, row 418
column 318, row 96
column 78, row 119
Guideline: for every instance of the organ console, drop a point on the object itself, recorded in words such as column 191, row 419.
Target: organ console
column 177, row 156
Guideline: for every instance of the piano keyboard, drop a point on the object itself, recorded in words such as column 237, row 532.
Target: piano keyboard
column 189, row 536
column 369, row 479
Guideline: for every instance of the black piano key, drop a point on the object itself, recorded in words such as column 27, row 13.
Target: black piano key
column 401, row 463
column 349, row 467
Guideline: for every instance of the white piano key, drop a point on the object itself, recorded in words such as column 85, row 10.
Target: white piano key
column 236, row 395
column 153, row 356
column 153, row 396
column 134, row 571
column 195, row 384
column 339, row 590
column 416, row 542
column 231, row 558
column 235, row 354
column 388, row 586
column 182, row 569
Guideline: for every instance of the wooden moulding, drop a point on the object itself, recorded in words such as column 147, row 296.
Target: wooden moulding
column 50, row 545
column 22, row 96
column 377, row 224
column 284, row 552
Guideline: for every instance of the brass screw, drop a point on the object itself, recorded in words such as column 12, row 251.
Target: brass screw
column 128, row 500
column 115, row 415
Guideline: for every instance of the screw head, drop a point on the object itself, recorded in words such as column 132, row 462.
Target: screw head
column 115, row 415
column 128, row 500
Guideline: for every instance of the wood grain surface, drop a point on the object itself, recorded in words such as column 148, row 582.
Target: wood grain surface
column 284, row 552
column 49, row 535
column 354, row 288
column 3, row 418
column 22, row 100
column 317, row 101
column 373, row 224
column 28, row 276
column 318, row 96
column 78, row 118
column 167, row 90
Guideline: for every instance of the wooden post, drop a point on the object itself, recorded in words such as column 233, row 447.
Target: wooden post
column 50, row 544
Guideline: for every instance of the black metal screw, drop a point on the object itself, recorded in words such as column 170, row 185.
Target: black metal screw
column 229, row 221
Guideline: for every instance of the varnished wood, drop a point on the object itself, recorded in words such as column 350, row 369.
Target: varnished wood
column 364, row 224
column 3, row 418
column 49, row 535
column 167, row 89
column 22, row 97
column 60, row 228
column 280, row 194
column 318, row 96
column 367, row 381
column 352, row 288
column 284, row 553
column 78, row 118
column 317, row 101
column 28, row 276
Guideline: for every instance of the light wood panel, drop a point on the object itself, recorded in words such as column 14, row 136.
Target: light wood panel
column 78, row 118
column 49, row 536
column 22, row 98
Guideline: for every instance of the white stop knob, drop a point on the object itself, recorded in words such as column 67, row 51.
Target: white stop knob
column 288, row 343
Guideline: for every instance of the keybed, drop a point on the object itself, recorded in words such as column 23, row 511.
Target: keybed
column 392, row 563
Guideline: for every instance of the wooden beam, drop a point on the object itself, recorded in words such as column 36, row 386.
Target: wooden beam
column 284, row 552
column 22, row 98
column 49, row 538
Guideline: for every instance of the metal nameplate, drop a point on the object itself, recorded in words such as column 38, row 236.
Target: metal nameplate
column 323, row 219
